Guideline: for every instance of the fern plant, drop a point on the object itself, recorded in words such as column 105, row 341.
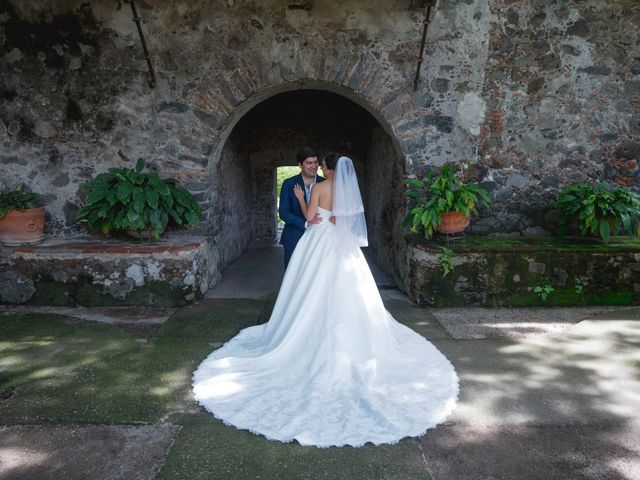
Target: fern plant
column 129, row 199
column 446, row 261
column 597, row 209
column 433, row 196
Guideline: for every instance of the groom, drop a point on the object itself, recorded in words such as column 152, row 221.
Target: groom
column 290, row 212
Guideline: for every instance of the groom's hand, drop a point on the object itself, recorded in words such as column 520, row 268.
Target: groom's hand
column 317, row 219
column 332, row 219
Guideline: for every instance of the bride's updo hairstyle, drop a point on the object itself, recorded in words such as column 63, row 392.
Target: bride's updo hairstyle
column 331, row 159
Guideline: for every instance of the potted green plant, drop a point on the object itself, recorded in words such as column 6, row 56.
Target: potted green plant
column 597, row 210
column 21, row 218
column 139, row 203
column 443, row 203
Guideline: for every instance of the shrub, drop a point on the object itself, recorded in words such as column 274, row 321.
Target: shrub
column 598, row 209
column 130, row 199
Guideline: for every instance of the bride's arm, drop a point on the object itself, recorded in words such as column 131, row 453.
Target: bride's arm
column 312, row 208
column 297, row 191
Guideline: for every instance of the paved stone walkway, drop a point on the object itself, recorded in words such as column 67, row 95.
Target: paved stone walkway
column 105, row 393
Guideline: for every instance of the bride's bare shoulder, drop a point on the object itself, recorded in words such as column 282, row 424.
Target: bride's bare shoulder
column 322, row 186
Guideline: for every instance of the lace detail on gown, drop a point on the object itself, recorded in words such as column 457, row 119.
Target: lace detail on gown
column 330, row 369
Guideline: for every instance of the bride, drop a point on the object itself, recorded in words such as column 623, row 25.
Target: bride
column 331, row 367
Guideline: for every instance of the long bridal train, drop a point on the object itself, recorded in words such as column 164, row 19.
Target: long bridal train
column 331, row 367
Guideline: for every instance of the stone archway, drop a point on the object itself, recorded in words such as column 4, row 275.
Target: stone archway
column 267, row 135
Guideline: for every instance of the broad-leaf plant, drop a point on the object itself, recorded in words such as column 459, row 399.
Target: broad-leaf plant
column 129, row 199
column 598, row 208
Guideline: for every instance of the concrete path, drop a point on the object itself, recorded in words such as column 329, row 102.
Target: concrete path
column 545, row 394
column 96, row 452
column 257, row 274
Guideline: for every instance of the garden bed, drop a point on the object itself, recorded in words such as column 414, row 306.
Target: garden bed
column 170, row 272
column 522, row 271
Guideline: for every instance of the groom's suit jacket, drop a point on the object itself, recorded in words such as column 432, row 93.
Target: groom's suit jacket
column 291, row 213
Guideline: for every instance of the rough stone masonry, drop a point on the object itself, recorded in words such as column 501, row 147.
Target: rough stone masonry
column 536, row 93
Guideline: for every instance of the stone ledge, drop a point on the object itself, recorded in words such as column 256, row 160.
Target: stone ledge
column 88, row 272
column 524, row 244
column 494, row 272
column 173, row 246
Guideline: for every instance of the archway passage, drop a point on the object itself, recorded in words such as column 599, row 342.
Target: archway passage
column 269, row 135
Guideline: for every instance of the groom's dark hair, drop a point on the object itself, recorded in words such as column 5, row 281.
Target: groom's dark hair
column 305, row 153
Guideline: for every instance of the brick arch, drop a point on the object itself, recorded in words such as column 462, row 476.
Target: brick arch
column 222, row 99
column 227, row 124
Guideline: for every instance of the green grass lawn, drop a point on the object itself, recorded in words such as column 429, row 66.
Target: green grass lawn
column 58, row 369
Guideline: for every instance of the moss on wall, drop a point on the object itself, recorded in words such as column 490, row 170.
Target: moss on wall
column 505, row 272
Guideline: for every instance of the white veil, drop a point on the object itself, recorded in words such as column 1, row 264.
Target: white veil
column 347, row 205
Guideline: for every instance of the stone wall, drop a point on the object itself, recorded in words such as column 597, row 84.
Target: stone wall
column 233, row 207
column 97, row 273
column 506, row 272
column 537, row 93
column 562, row 94
column 381, row 185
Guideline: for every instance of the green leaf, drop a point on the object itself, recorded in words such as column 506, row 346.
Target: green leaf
column 176, row 217
column 111, row 198
column 123, row 192
column 182, row 196
column 449, row 196
column 121, row 221
column 163, row 189
column 158, row 220
column 605, row 231
column 139, row 199
column 103, row 210
column 120, row 175
column 97, row 194
column 154, row 179
column 167, row 200
column 414, row 183
column 151, row 196
column 83, row 213
column 133, row 218
column 191, row 217
column 427, row 218
column 140, row 165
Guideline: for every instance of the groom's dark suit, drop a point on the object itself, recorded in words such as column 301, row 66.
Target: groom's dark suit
column 292, row 215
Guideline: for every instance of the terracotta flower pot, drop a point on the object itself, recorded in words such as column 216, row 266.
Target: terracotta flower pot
column 22, row 226
column 453, row 222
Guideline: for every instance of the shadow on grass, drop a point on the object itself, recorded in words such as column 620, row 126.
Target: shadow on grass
column 59, row 370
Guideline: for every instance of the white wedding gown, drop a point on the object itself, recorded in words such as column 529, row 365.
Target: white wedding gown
column 331, row 367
